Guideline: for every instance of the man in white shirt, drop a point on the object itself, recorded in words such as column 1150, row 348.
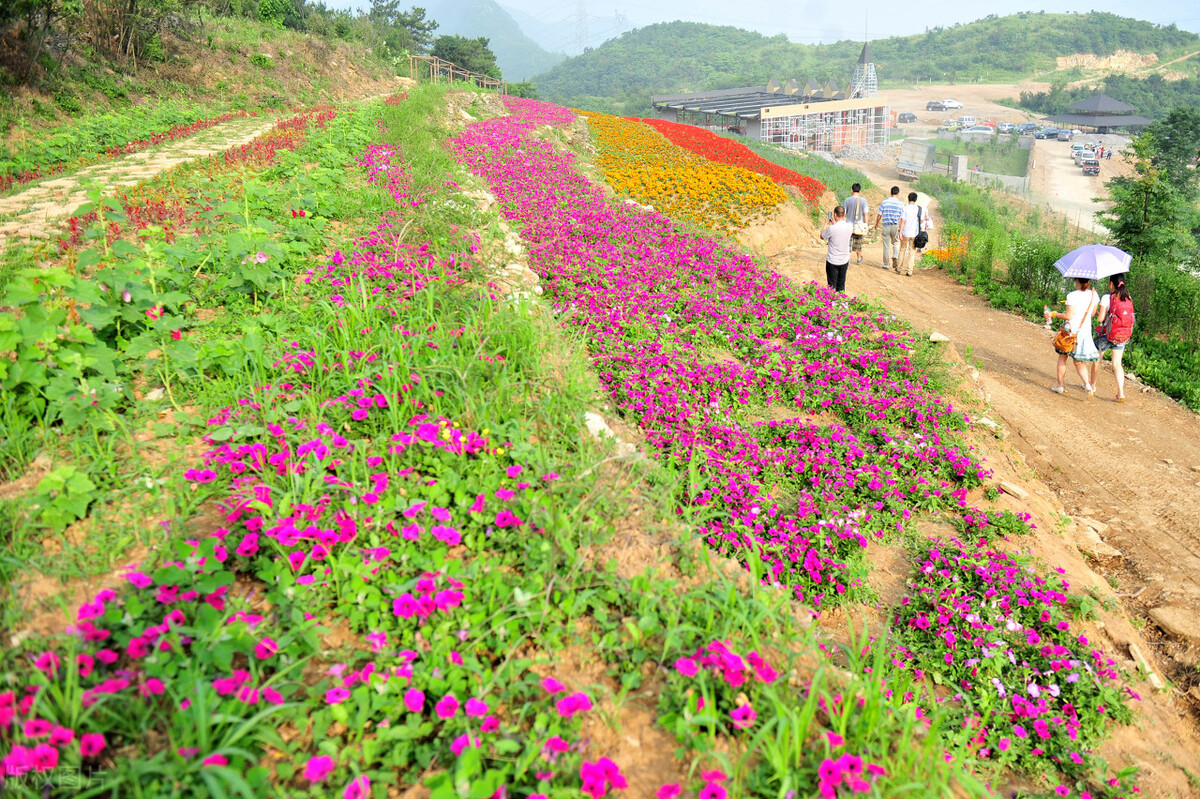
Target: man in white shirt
column 911, row 223
column 837, row 232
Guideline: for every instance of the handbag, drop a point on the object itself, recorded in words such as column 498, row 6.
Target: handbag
column 922, row 238
column 861, row 229
column 1064, row 339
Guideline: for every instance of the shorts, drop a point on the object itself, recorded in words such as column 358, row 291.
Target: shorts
column 1103, row 344
column 856, row 243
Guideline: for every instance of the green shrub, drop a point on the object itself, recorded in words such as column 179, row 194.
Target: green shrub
column 68, row 102
column 1031, row 265
column 262, row 60
column 153, row 50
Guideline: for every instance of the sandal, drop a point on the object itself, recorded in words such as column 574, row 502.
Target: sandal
column 1091, row 391
column 1119, row 399
column 1057, row 389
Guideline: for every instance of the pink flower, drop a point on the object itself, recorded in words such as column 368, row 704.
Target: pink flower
column 744, row 716
column 669, row 791
column 447, row 707
column 61, row 736
column 462, row 742
column 553, row 686
column 359, row 788
column 43, row 757
column 414, row 700
column 318, row 768
column 91, row 744
column 687, row 667
column 1062, row 790
column 476, row 707
column 266, row 648
column 834, row 739
column 216, row 759
column 1004, row 744
column 37, row 728
column 575, row 703
column 556, row 745
column 335, row 696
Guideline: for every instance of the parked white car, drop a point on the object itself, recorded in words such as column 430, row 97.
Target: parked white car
column 951, row 104
column 966, row 121
column 979, row 129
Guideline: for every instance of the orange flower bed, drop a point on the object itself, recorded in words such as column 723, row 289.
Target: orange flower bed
column 642, row 164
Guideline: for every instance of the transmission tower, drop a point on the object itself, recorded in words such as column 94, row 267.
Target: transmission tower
column 581, row 25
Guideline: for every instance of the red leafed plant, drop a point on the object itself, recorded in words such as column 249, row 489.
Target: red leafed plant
column 724, row 151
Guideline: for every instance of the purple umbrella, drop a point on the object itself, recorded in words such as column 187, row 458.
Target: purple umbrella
column 1094, row 261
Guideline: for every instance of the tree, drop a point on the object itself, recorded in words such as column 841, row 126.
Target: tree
column 402, row 31
column 472, row 55
column 1178, row 140
column 1149, row 217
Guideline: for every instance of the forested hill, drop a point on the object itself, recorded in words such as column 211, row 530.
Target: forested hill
column 620, row 75
column 517, row 55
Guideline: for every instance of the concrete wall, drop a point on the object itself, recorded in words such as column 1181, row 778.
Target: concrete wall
column 1009, row 182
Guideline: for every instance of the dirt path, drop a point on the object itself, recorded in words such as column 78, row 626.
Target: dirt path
column 1132, row 467
column 36, row 212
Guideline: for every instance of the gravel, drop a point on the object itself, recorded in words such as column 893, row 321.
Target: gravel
column 872, row 153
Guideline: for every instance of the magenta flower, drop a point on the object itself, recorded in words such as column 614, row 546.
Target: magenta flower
column 91, row 744
column 476, row 707
column 447, row 707
column 687, row 667
column 358, row 788
column 335, row 696
column 414, row 700
column 744, row 716
column 553, row 686
column 216, row 759
column 318, row 768
column 669, row 791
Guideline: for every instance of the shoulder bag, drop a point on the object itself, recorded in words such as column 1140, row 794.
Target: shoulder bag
column 1065, row 339
column 922, row 238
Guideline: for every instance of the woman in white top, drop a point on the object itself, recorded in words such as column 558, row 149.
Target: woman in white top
column 1081, row 308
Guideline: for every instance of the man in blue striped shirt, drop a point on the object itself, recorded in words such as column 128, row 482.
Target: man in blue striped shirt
column 888, row 217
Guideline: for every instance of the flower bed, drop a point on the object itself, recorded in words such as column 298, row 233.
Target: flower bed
column 725, row 151
column 640, row 163
column 799, row 499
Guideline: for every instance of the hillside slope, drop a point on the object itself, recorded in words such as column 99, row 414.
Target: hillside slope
column 518, row 56
column 621, row 75
column 227, row 63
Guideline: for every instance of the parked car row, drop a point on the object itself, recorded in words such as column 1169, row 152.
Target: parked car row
column 943, row 105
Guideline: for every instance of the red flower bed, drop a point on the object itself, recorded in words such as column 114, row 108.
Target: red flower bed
column 288, row 134
column 177, row 132
column 724, row 151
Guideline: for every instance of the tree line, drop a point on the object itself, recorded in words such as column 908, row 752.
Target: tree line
column 1152, row 96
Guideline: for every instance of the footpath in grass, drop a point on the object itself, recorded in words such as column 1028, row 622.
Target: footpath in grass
column 394, row 563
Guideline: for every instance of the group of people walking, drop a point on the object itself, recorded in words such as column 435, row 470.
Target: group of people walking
column 904, row 230
column 1113, row 313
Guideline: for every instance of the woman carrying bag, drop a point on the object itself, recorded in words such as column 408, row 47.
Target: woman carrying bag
column 1074, row 340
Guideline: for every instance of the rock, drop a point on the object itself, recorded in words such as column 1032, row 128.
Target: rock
column 1196, row 468
column 1178, row 622
column 989, row 424
column 1144, row 665
column 599, row 430
column 936, row 336
column 156, row 394
column 1088, row 541
column 1098, row 526
column 1168, row 461
column 1014, row 490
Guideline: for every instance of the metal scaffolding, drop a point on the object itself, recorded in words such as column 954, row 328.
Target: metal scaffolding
column 828, row 130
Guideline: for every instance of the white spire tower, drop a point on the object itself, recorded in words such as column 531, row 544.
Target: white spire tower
column 864, row 84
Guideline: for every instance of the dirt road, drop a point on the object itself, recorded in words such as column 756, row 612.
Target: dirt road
column 1132, row 467
column 36, row 211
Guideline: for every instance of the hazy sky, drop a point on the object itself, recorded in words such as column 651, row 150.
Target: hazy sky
column 811, row 21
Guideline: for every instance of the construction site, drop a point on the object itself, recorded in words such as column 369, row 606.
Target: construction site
column 808, row 116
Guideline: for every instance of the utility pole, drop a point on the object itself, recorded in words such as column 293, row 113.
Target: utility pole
column 581, row 25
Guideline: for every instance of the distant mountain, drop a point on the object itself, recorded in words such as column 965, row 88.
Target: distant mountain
column 562, row 36
column 518, row 56
column 622, row 74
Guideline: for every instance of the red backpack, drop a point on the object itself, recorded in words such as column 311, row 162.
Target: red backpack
column 1118, row 327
